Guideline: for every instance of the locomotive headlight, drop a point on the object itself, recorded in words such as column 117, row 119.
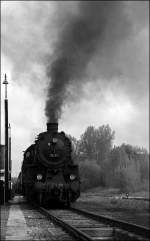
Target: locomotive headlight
column 54, row 140
column 39, row 177
column 72, row 177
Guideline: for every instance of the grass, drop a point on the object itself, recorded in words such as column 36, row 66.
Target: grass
column 108, row 202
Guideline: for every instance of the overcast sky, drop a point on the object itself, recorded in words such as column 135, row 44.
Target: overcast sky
column 30, row 31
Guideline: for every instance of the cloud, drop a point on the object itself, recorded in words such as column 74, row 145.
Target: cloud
column 25, row 114
column 111, row 85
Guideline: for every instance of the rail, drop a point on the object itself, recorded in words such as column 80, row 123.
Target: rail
column 84, row 225
column 137, row 198
column 73, row 231
column 140, row 230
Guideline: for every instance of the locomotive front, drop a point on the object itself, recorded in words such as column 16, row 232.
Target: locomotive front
column 53, row 148
column 53, row 175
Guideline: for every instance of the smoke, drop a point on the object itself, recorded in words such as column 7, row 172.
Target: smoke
column 23, row 41
column 97, row 26
column 104, row 45
column 66, row 44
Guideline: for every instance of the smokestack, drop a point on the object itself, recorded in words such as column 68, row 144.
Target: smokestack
column 52, row 127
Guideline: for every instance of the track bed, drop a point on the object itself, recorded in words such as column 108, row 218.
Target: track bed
column 86, row 226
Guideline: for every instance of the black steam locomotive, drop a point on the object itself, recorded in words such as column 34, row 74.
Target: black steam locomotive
column 48, row 174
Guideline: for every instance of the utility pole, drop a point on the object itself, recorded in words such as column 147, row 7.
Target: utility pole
column 9, row 158
column 6, row 188
column 0, row 111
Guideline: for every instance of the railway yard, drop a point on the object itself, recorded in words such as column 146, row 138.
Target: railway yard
column 21, row 221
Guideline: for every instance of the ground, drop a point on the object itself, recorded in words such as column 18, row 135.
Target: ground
column 109, row 202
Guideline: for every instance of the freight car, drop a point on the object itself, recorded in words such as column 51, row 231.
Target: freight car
column 48, row 173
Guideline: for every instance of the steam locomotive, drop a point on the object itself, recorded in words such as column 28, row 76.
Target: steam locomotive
column 48, row 174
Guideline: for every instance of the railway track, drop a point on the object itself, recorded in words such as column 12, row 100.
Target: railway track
column 88, row 226
column 137, row 198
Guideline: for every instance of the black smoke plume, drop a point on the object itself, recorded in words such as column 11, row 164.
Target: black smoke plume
column 96, row 26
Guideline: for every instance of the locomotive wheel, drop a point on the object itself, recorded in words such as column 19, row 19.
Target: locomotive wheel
column 40, row 198
column 30, row 194
column 68, row 203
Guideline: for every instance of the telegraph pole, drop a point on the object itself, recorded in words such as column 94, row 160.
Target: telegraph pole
column 0, row 111
column 9, row 158
column 6, row 188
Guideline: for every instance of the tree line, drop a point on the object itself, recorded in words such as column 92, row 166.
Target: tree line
column 101, row 164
